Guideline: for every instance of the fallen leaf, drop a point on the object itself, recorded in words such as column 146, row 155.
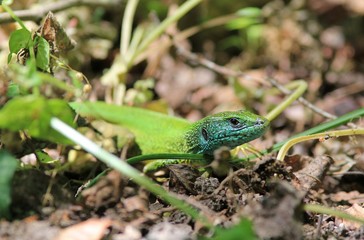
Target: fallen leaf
column 105, row 191
column 52, row 31
column 92, row 229
column 182, row 178
column 353, row 197
column 356, row 211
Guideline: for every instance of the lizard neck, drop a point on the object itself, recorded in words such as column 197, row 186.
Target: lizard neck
column 228, row 129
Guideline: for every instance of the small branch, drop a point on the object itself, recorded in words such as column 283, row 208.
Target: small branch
column 238, row 74
column 38, row 13
column 334, row 212
column 213, row 66
column 324, row 135
column 301, row 100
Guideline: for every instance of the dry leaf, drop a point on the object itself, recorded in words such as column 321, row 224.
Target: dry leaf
column 353, row 197
column 55, row 35
column 92, row 229
column 356, row 211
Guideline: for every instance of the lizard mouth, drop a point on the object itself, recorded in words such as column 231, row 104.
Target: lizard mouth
column 237, row 137
column 258, row 130
column 253, row 131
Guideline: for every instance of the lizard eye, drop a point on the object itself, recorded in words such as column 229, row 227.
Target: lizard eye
column 234, row 122
column 204, row 134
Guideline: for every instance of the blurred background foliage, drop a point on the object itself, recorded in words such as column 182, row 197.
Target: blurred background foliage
column 317, row 41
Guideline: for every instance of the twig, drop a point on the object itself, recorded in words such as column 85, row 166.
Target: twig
column 39, row 12
column 238, row 74
column 229, row 178
column 318, row 229
column 213, row 66
column 301, row 99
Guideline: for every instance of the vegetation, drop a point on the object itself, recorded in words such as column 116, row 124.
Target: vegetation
column 64, row 173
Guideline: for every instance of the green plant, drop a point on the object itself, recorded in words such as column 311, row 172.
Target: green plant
column 249, row 24
column 134, row 43
column 23, row 44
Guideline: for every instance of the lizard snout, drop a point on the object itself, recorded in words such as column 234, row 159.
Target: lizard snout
column 259, row 121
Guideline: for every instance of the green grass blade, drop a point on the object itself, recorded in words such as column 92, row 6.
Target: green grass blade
column 344, row 119
column 180, row 12
column 140, row 158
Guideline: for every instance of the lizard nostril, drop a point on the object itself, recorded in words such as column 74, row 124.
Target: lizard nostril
column 259, row 121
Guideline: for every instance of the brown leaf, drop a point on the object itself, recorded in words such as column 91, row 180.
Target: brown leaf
column 356, row 211
column 107, row 190
column 135, row 203
column 353, row 197
column 182, row 178
column 312, row 174
column 52, row 31
column 92, row 229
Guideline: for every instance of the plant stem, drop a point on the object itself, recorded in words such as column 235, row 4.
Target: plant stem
column 300, row 86
column 181, row 11
column 329, row 211
column 348, row 132
column 140, row 158
column 320, row 128
column 126, row 27
column 12, row 14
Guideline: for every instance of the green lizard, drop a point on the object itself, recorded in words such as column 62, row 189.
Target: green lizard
column 160, row 133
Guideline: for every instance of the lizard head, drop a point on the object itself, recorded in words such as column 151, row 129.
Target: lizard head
column 229, row 129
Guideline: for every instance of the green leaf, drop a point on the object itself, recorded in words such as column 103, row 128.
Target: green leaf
column 43, row 157
column 34, row 114
column 19, row 39
column 243, row 230
column 42, row 57
column 254, row 34
column 241, row 23
column 7, row 2
column 10, row 55
column 251, row 12
column 8, row 165
column 13, row 90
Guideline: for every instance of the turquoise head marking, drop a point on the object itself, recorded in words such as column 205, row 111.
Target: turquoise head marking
column 229, row 129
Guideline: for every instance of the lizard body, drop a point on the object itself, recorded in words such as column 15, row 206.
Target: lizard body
column 160, row 133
